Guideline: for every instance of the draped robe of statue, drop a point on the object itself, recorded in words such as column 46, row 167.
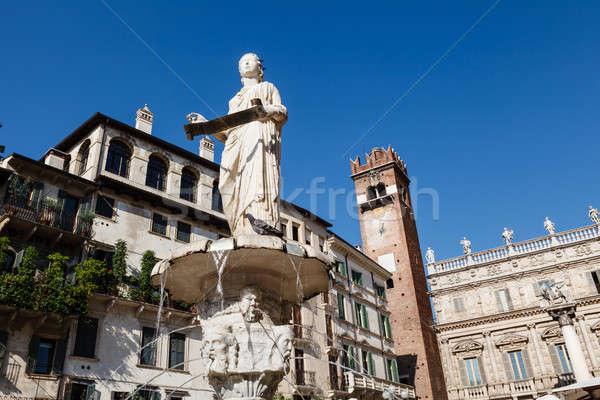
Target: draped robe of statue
column 250, row 165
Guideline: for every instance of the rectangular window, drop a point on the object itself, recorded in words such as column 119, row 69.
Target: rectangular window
column 594, row 277
column 3, row 351
column 473, row 373
column 159, row 224
column 44, row 357
column 538, row 286
column 386, row 329
column 83, row 391
column 362, row 319
column 348, row 359
column 85, row 340
column 119, row 395
column 563, row 357
column 503, row 300
column 176, row 351
column 105, row 206
column 340, row 267
column 341, row 306
column 321, row 244
column 392, row 370
column 367, row 362
column 148, row 394
column 148, row 351
column 284, row 228
column 295, row 232
column 357, row 277
column 307, row 236
column 517, row 364
column 459, row 305
column 380, row 290
column 184, row 232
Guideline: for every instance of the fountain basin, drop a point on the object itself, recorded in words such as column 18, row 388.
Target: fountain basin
column 288, row 270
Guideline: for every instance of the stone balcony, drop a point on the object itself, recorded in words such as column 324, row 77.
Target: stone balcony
column 360, row 383
column 530, row 388
column 516, row 249
column 303, row 336
column 306, row 382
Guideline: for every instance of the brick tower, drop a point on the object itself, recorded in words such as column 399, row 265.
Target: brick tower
column 389, row 236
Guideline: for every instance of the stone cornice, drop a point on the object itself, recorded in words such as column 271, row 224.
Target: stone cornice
column 511, row 315
column 507, row 277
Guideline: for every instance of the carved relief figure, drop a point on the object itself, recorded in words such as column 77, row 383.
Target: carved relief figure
column 507, row 235
column 221, row 349
column 282, row 348
column 549, row 226
column 466, row 244
column 249, row 180
column 249, row 305
column 553, row 295
column 593, row 213
column 430, row 256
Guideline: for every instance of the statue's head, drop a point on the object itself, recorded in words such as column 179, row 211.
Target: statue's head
column 249, row 305
column 220, row 346
column 250, row 66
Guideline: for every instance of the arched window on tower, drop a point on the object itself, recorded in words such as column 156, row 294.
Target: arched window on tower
column 82, row 157
column 217, row 202
column 371, row 193
column 187, row 189
column 117, row 160
column 381, row 190
column 156, row 174
column 389, row 284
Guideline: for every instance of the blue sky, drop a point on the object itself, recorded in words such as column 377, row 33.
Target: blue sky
column 504, row 128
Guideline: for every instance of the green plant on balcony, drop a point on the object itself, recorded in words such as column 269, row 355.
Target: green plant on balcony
column 84, row 222
column 51, row 207
column 119, row 261
column 18, row 189
column 4, row 244
column 95, row 277
column 144, row 290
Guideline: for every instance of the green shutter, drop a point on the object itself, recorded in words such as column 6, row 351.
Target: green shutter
column 32, row 356
column 351, row 358
column 90, row 392
column 342, row 267
column 341, row 306
column 357, row 313
column 365, row 320
column 370, row 360
column 388, row 327
column 395, row 376
column 59, row 356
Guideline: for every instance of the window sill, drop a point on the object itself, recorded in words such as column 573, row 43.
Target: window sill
column 113, row 219
column 182, row 241
column 43, row 377
column 154, row 367
column 81, row 358
column 178, row 371
column 159, row 235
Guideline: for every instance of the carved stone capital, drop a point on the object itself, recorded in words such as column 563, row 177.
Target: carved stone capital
column 531, row 325
column 486, row 333
column 563, row 314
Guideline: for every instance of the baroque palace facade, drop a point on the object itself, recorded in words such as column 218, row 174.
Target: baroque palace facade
column 157, row 196
column 495, row 339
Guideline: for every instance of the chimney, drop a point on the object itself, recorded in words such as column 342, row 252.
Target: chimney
column 144, row 119
column 207, row 148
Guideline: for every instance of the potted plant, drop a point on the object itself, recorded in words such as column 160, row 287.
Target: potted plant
column 50, row 209
column 85, row 219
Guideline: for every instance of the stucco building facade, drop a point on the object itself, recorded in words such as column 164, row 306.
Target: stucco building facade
column 495, row 339
column 157, row 196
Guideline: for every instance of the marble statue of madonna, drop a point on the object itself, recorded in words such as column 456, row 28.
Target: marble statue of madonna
column 249, row 180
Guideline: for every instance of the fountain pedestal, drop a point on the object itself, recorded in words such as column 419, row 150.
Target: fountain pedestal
column 244, row 289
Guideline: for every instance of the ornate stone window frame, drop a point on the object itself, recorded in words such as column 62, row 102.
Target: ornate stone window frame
column 512, row 342
column 554, row 335
column 467, row 349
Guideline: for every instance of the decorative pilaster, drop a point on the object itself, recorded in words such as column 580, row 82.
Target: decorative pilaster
column 447, row 361
column 536, row 345
column 586, row 339
column 490, row 347
column 564, row 313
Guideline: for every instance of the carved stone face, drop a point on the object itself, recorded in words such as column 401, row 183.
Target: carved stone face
column 249, row 306
column 216, row 345
column 285, row 344
column 250, row 66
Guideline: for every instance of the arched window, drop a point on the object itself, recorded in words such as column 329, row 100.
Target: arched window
column 389, row 284
column 82, row 157
column 187, row 190
column 371, row 193
column 117, row 160
column 156, row 175
column 217, row 202
column 381, row 189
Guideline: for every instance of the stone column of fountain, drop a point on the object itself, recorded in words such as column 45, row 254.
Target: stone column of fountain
column 244, row 286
